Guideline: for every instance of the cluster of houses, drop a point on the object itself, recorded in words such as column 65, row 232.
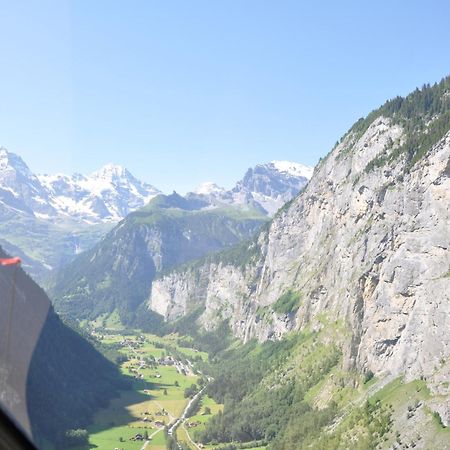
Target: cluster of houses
column 193, row 424
column 132, row 343
column 157, row 423
column 171, row 361
column 183, row 369
column 166, row 361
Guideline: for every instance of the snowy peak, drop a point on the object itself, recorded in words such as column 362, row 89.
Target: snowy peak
column 112, row 177
column 272, row 185
column 20, row 190
column 292, row 168
column 266, row 187
column 208, row 188
column 10, row 162
column 107, row 195
column 111, row 172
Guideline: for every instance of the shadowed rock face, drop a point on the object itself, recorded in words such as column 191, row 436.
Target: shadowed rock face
column 368, row 247
column 51, row 379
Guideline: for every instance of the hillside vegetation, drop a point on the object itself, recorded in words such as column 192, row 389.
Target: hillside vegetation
column 117, row 273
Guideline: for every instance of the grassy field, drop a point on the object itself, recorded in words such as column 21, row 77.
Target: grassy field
column 156, row 397
column 199, row 420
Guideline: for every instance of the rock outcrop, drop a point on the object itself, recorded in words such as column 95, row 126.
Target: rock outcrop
column 117, row 273
column 367, row 242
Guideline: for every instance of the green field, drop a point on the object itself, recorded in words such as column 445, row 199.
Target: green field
column 156, row 398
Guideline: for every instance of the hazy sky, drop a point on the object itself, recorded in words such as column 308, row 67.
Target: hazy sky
column 186, row 91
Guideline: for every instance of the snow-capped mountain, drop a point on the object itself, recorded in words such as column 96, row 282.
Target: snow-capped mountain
column 292, row 168
column 49, row 219
column 208, row 188
column 266, row 187
column 20, row 190
column 111, row 193
column 106, row 195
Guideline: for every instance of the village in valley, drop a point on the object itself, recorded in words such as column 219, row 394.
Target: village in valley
column 167, row 397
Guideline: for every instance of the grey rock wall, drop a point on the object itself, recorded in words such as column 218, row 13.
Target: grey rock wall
column 370, row 248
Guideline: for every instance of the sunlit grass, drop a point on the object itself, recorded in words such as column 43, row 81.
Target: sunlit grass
column 160, row 388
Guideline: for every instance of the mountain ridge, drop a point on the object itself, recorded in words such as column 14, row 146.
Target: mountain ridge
column 265, row 187
column 108, row 194
column 112, row 192
column 374, row 236
column 50, row 219
column 356, row 268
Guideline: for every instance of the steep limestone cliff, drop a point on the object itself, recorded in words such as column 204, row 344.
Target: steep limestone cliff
column 117, row 273
column 367, row 242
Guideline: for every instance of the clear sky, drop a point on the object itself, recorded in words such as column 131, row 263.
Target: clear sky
column 187, row 91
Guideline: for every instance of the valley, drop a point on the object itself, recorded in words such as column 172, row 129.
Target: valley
column 167, row 403
column 156, row 399
column 142, row 417
column 173, row 405
column 225, row 226
column 282, row 314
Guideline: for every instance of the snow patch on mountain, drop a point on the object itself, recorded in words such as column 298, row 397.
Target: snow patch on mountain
column 107, row 195
column 266, row 187
column 293, row 168
column 208, row 188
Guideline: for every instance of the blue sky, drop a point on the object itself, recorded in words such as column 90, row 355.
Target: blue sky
column 182, row 92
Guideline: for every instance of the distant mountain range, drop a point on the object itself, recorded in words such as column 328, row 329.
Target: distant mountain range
column 267, row 187
column 112, row 192
column 49, row 219
column 106, row 195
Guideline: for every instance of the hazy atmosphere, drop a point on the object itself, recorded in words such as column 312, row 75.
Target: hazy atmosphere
column 185, row 92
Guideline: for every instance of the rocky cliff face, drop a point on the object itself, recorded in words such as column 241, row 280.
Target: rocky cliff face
column 367, row 242
column 265, row 187
column 117, row 273
column 107, row 195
